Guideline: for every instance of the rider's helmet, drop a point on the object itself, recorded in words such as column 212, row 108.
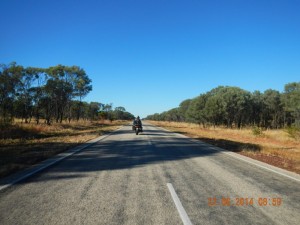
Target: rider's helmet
column 138, row 117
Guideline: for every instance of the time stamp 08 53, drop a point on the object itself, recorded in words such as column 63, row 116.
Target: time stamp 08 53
column 238, row 201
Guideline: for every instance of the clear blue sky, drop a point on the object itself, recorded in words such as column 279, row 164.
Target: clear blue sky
column 149, row 55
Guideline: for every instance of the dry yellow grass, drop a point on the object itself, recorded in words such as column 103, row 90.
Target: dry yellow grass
column 275, row 147
column 22, row 145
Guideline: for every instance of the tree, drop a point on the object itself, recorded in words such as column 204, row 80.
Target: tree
column 172, row 115
column 64, row 84
column 93, row 110
column 272, row 109
column 120, row 113
column 256, row 111
column 291, row 101
column 107, row 112
column 54, row 94
column 81, row 84
column 24, row 101
column 214, row 110
column 10, row 77
column 196, row 111
column 39, row 79
column 183, row 108
column 236, row 105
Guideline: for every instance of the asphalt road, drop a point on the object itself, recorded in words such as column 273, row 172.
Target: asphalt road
column 136, row 179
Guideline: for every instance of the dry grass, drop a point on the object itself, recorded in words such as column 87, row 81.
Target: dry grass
column 275, row 147
column 22, row 145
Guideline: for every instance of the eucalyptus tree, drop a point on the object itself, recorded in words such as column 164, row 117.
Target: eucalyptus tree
column 38, row 80
column 93, row 110
column 291, row 101
column 256, row 112
column 172, row 115
column 233, row 106
column 27, row 96
column 107, row 112
column 196, row 111
column 183, row 108
column 10, row 76
column 81, row 84
column 64, row 84
column 272, row 109
column 214, row 110
column 119, row 112
column 236, row 105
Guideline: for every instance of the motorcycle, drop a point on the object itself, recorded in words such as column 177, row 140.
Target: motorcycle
column 137, row 128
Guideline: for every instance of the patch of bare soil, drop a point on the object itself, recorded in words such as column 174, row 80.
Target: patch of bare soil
column 273, row 160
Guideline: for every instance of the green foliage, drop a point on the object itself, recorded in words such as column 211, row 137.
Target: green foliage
column 294, row 132
column 235, row 107
column 195, row 112
column 257, row 131
column 120, row 113
column 291, row 100
column 49, row 93
column 53, row 94
column 183, row 108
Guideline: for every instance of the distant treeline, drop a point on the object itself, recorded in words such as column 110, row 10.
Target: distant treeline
column 235, row 107
column 52, row 94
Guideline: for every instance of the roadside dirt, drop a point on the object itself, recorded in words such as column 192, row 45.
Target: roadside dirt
column 274, row 147
column 274, row 160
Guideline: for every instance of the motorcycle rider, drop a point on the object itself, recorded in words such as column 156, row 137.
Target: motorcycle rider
column 137, row 121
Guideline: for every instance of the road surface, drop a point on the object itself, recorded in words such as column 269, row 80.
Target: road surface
column 158, row 177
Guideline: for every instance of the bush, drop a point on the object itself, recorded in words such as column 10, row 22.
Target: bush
column 294, row 132
column 257, row 131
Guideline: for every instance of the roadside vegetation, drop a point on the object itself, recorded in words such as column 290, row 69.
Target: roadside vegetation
column 42, row 113
column 234, row 107
column 22, row 145
column 264, row 126
column 50, row 95
column 275, row 147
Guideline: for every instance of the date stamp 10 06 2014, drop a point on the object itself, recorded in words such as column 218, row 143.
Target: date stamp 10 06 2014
column 238, row 201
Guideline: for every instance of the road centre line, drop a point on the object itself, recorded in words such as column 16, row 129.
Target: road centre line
column 149, row 140
column 183, row 215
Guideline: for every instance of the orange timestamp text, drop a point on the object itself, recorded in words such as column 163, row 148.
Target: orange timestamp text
column 238, row 201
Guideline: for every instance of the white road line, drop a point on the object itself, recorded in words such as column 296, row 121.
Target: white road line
column 232, row 154
column 264, row 167
column 51, row 161
column 149, row 140
column 183, row 215
column 235, row 156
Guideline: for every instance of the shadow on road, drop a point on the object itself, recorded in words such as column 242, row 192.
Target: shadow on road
column 132, row 152
column 233, row 146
